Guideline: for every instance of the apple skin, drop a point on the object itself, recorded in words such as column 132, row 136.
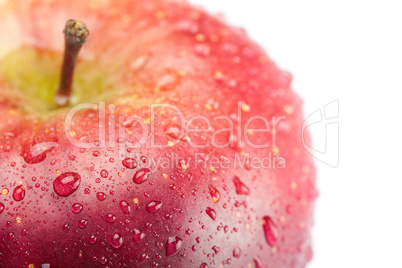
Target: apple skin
column 187, row 215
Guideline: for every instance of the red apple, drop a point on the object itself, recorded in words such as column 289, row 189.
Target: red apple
column 180, row 146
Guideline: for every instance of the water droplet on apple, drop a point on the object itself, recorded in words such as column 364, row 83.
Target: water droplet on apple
column 241, row 188
column 66, row 227
column 153, row 206
column 125, row 207
column 2, row 207
column 204, row 265
column 100, row 196
column 216, row 249
column 110, row 217
column 141, row 175
column 129, row 123
column 97, row 143
column 173, row 245
column 173, row 131
column 19, row 193
column 144, row 257
column 236, row 252
column 24, row 232
column 168, row 80
column 11, row 236
column 7, row 147
column 103, row 260
column 36, row 153
column 270, row 231
column 92, row 239
column 67, row 183
column 211, row 213
column 139, row 62
column 116, row 240
column 215, row 194
column 257, row 263
column 104, row 173
column 76, row 208
column 82, row 223
column 144, row 159
column 130, row 163
column 138, row 235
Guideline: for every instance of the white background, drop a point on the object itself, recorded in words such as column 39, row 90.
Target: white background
column 349, row 51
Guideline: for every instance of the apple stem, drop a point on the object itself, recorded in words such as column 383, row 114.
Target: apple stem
column 76, row 34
